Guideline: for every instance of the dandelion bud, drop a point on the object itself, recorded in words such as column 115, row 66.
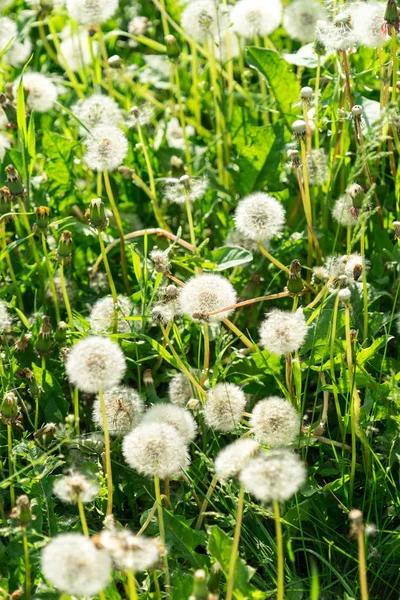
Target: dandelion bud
column 148, row 377
column 319, row 48
column 22, row 343
column 45, row 435
column 200, row 590
column 193, row 404
column 5, row 200
column 9, row 407
column 396, row 227
column 126, row 172
column 356, row 193
column 357, row 111
column 357, row 522
column 61, row 332
column 171, row 291
column 115, row 61
column 42, row 219
column 14, row 181
column 173, row 49
column 392, row 14
column 295, row 283
column 97, row 214
column 344, row 296
column 295, row 158
column 44, row 343
column 306, row 93
column 185, row 181
column 65, row 247
column 17, row 595
column 160, row 260
column 299, row 129
column 22, row 511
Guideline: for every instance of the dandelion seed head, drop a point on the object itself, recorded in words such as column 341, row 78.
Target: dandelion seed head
column 74, row 565
column 343, row 212
column 353, row 266
column 5, row 319
column 252, row 18
column 174, row 131
column 369, row 23
column 200, row 19
column 95, row 364
column 102, row 314
column 41, row 91
column 283, row 331
column 179, row 390
column 96, row 111
column 234, row 457
column 173, row 415
column 260, row 217
column 337, row 34
column 203, row 294
column 275, row 422
column 224, row 407
column 235, row 238
column 75, row 488
column 300, row 19
column 163, row 312
column 74, row 50
column 91, row 12
column 177, row 190
column 317, row 164
column 19, row 49
column 130, row 551
column 124, row 410
column 106, row 150
column 156, row 449
column 276, row 475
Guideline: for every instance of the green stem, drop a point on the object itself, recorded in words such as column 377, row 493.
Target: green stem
column 189, row 214
column 364, row 281
column 110, row 280
column 132, row 585
column 272, row 258
column 10, row 266
column 162, row 533
column 82, row 517
column 279, row 550
column 240, row 334
column 395, row 62
column 10, row 464
column 182, row 119
column 65, row 296
column 362, row 563
column 316, row 101
column 108, row 455
column 206, row 500
column 235, row 545
column 332, row 363
column 206, row 362
column 51, row 279
column 27, row 565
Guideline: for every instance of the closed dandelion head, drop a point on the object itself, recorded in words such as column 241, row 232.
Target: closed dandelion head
column 178, row 190
column 75, row 488
column 124, row 410
column 205, row 294
column 260, row 217
column 5, row 319
column 283, row 331
column 179, row 390
column 200, row 19
column 224, row 407
column 173, row 415
column 353, row 266
column 130, row 551
column 91, row 12
column 163, row 312
column 301, row 17
column 41, row 92
column 95, row 364
column 275, row 422
column 252, row 18
column 73, row 564
column 345, row 296
column 234, row 457
column 102, row 314
column 96, row 111
column 106, row 148
column 156, row 449
column 276, row 475
column 160, row 260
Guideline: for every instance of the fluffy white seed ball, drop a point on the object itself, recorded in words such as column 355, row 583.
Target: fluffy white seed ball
column 283, row 331
column 5, row 319
column 97, row 110
column 41, row 93
column 73, row 565
column 252, row 18
column 91, row 12
column 74, row 49
column 106, row 148
column 95, row 364
column 260, row 217
column 179, row 390
column 343, row 211
column 156, row 449
column 75, row 488
column 224, row 407
column 173, row 415
column 102, row 314
column 124, row 410
column 207, row 293
column 275, row 422
column 200, row 19
column 276, row 475
column 130, row 551
column 232, row 459
column 301, row 18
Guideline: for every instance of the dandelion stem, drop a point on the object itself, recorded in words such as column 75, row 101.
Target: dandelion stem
column 132, row 585
column 110, row 281
column 206, row 500
column 195, row 86
column 10, row 464
column 395, row 61
column 51, row 279
column 108, row 455
column 332, row 363
column 82, row 517
column 189, row 214
column 162, row 533
column 76, row 410
column 248, row 302
column 27, row 565
column 10, row 266
column 182, row 119
column 105, row 60
column 316, row 102
column 362, row 564
column 272, row 258
column 279, row 550
column 235, row 545
column 65, row 296
column 206, row 363
column 240, row 334
column 156, row 585
column 364, row 282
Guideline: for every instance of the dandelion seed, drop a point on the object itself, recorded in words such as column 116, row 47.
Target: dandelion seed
column 95, row 364
column 124, row 410
column 251, row 18
column 232, row 459
column 173, row 415
column 283, row 331
column 276, row 475
column 141, row 115
column 97, row 111
column 174, row 131
column 75, row 566
column 343, row 211
column 300, row 19
column 260, row 217
column 41, row 91
column 201, row 19
column 275, row 422
column 337, row 34
column 130, row 551
column 91, row 12
column 204, row 294
column 224, row 407
column 75, row 49
column 5, row 319
column 102, row 314
column 106, row 150
column 179, row 390
column 156, row 449
column 317, row 164
column 177, row 190
column 75, row 488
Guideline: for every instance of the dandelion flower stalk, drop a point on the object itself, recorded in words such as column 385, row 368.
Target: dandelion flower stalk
column 332, row 363
column 108, row 455
column 279, row 550
column 51, row 279
column 10, row 463
column 395, row 62
column 364, row 283
column 110, row 280
column 182, row 118
column 235, row 545
column 358, row 530
column 271, row 258
column 65, row 63
column 206, row 501
column 27, row 563
column 65, row 295
column 206, row 363
column 10, row 265
column 131, row 585
column 82, row 517
column 162, row 533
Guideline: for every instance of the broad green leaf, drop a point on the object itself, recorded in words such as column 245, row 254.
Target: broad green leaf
column 228, row 257
column 137, row 267
column 184, row 539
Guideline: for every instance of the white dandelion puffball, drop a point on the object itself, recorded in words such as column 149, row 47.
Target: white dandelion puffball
column 203, row 294
column 173, row 415
column 124, row 410
column 5, row 144
column 5, row 319
column 179, row 390
column 102, row 314
column 91, row 12
column 177, row 190
column 234, row 457
column 47, row 4
column 95, row 364
column 97, row 110
column 20, row 47
column 301, row 17
column 368, row 20
column 130, row 551
column 74, row 49
column 260, row 217
column 156, row 449
column 174, row 132
column 283, row 331
column 106, row 150
column 224, row 407
column 343, row 211
column 201, row 20
column 75, row 488
column 72, row 563
column 353, row 266
column 226, row 46
column 317, row 163
column 276, row 475
column 275, row 422
column 41, row 91
column 252, row 18
column 337, row 34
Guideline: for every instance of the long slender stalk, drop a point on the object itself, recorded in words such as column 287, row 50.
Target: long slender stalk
column 332, row 363
column 65, row 296
column 316, row 100
column 182, row 118
column 395, row 61
column 51, row 278
column 131, row 585
column 364, row 282
column 108, row 455
column 76, row 410
column 206, row 362
column 161, row 527
column 10, row 266
column 10, row 464
column 240, row 334
column 110, row 280
column 362, row 563
column 279, row 549
column 189, row 214
column 27, row 565
column 82, row 517
column 271, row 258
column 206, row 500
column 235, row 545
